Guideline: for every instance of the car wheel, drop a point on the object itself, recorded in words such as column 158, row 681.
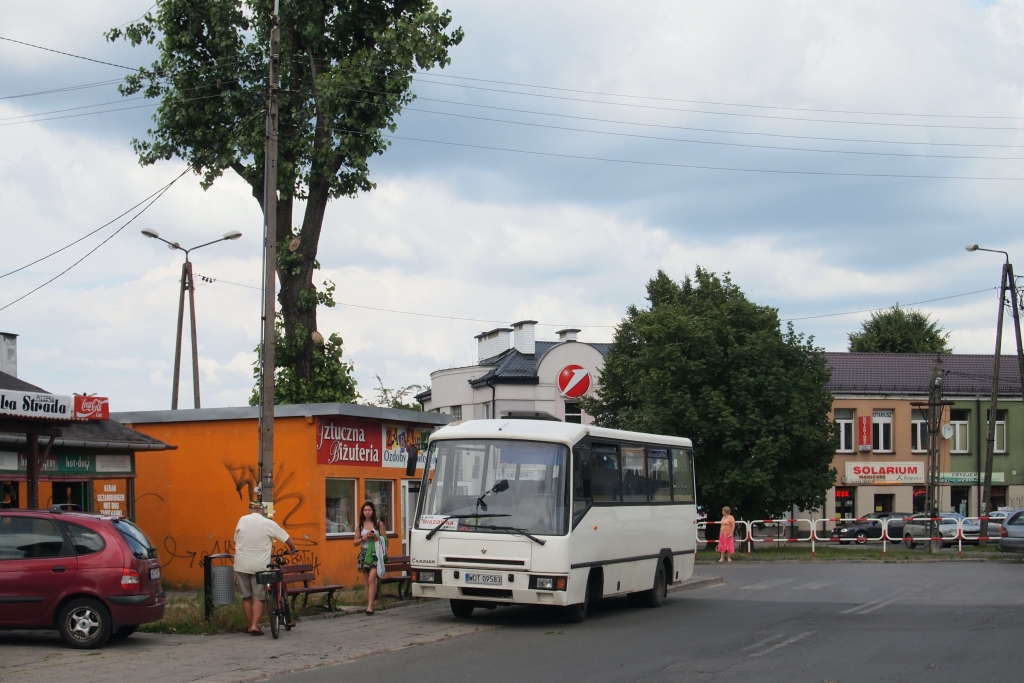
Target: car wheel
column 909, row 542
column 84, row 623
column 462, row 609
column 862, row 538
column 123, row 632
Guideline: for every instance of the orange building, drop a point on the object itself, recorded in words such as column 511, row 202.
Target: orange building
column 328, row 459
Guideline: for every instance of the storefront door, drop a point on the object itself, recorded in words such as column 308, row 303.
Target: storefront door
column 9, row 495
column 920, row 499
column 74, row 492
column 884, row 502
column 845, row 502
column 410, row 498
column 998, row 498
column 958, row 498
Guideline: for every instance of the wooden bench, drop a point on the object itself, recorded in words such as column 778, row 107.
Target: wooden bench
column 402, row 566
column 296, row 573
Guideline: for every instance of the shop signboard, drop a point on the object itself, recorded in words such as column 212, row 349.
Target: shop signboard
column 864, row 433
column 348, row 441
column 29, row 404
column 970, row 477
column 70, row 465
column 110, row 498
column 884, row 473
column 397, row 438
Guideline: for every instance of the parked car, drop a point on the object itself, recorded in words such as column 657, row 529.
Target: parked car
column 91, row 577
column 1011, row 533
column 916, row 530
column 870, row 526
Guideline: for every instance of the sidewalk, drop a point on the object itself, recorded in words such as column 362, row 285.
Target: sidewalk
column 42, row 657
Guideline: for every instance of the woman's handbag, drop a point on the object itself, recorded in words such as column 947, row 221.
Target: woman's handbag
column 382, row 557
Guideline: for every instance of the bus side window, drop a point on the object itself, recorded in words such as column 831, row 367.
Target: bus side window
column 682, row 476
column 634, row 479
column 658, row 476
column 604, row 472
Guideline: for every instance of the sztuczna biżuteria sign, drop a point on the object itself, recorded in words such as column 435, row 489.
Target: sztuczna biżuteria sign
column 349, row 441
column 53, row 406
column 884, row 473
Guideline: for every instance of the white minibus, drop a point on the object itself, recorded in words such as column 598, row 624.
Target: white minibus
column 535, row 512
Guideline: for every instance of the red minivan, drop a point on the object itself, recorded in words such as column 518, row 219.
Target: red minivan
column 89, row 576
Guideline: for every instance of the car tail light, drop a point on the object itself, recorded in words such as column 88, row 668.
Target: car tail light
column 1003, row 533
column 130, row 579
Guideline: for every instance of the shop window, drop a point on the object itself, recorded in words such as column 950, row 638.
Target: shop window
column 29, row 538
column 73, row 492
column 658, row 478
column 604, row 474
column 884, row 502
column 881, row 431
column 341, row 505
column 9, row 497
column 1000, row 444
column 846, row 502
column 382, row 495
column 573, row 413
column 958, row 497
column 960, row 419
column 634, row 481
column 682, row 476
column 919, row 432
column 844, row 429
column 920, row 498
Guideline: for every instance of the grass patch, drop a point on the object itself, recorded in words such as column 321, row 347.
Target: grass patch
column 186, row 613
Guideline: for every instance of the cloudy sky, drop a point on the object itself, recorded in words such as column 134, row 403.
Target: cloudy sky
column 833, row 157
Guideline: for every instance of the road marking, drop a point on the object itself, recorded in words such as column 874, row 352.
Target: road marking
column 813, row 586
column 783, row 644
column 764, row 642
column 871, row 605
column 766, row 584
column 878, row 606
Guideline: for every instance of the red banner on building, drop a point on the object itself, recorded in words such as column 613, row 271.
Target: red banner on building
column 92, row 408
column 864, row 432
column 348, row 441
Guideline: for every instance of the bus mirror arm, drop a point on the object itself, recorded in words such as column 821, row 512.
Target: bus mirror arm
column 411, row 457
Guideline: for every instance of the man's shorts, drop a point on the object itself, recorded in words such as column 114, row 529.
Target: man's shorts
column 248, row 587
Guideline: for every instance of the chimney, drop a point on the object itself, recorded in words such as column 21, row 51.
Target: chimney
column 490, row 344
column 567, row 335
column 9, row 353
column 525, row 336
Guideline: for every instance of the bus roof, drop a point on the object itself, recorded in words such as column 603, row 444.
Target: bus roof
column 546, row 430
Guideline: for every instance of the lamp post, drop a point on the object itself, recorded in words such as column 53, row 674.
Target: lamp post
column 187, row 283
column 1006, row 281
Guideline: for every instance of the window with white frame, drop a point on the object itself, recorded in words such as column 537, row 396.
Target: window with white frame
column 881, row 431
column 919, row 432
column 341, row 509
column 960, row 420
column 457, row 412
column 1000, row 445
column 844, row 429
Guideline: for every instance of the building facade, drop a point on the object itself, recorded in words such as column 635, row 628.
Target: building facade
column 882, row 457
column 516, row 375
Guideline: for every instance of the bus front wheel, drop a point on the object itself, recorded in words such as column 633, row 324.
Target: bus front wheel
column 463, row 609
column 655, row 596
column 574, row 614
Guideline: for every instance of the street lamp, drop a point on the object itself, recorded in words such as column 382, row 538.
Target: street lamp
column 1006, row 281
column 187, row 283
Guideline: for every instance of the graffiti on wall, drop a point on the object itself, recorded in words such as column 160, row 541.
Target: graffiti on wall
column 245, row 477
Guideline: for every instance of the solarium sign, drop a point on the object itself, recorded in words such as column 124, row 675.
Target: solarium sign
column 884, row 473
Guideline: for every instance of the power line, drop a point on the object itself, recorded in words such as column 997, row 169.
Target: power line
column 871, row 310
column 107, row 111
column 65, row 89
column 698, row 167
column 720, row 113
column 84, row 106
column 68, row 54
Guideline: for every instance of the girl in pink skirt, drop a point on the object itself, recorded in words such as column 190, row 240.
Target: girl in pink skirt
column 725, row 534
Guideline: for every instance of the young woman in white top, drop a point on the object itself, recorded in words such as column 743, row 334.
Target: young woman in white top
column 370, row 529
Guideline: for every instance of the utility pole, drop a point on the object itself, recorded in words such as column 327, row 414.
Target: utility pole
column 935, row 406
column 177, row 339
column 267, row 375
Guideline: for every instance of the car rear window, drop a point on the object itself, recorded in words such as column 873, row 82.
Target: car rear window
column 23, row 538
column 1018, row 520
column 137, row 541
column 85, row 541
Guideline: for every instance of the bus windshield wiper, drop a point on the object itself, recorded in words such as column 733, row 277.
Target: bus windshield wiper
column 513, row 530
column 433, row 531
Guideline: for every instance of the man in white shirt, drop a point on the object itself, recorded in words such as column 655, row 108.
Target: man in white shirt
column 254, row 544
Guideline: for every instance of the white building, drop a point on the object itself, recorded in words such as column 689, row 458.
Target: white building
column 518, row 375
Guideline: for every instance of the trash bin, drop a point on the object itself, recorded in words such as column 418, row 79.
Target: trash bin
column 218, row 581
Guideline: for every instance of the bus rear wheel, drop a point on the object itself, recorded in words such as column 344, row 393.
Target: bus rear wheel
column 462, row 609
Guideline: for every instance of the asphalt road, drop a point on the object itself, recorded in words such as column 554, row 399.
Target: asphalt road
column 821, row 622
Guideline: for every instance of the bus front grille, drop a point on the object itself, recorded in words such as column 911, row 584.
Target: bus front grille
column 494, row 593
column 484, row 560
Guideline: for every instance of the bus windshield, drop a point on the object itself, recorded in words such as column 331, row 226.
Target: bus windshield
column 465, row 483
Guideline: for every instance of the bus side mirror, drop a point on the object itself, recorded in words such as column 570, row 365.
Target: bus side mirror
column 412, row 454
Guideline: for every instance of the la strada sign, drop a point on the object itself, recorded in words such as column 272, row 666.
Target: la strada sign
column 34, row 405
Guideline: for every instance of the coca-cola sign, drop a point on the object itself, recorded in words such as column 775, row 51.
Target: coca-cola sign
column 92, row 408
column 348, row 441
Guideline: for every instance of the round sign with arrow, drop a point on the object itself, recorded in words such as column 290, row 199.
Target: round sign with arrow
column 573, row 381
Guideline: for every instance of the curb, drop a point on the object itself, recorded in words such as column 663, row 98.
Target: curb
column 696, row 582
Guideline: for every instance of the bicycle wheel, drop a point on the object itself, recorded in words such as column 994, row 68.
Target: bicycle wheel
column 287, row 611
column 273, row 609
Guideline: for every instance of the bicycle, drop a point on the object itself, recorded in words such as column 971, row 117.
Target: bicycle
column 278, row 610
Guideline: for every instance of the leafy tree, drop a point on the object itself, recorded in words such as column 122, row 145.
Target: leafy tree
column 706, row 363
column 900, row 331
column 346, row 72
column 395, row 398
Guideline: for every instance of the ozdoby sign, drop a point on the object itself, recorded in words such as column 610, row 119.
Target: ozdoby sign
column 884, row 473
column 26, row 404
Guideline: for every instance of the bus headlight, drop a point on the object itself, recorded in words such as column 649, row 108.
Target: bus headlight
column 548, row 583
column 425, row 576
